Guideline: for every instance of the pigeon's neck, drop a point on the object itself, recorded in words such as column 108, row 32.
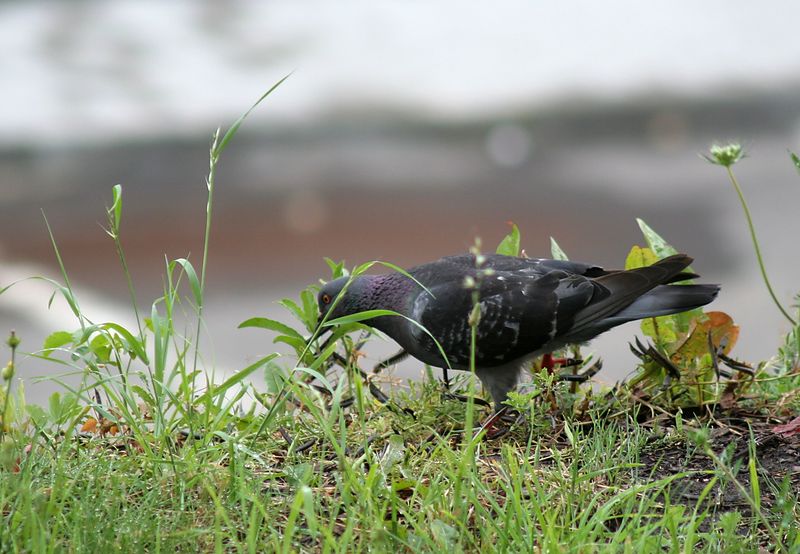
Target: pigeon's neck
column 388, row 292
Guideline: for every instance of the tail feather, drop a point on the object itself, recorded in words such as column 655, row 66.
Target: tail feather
column 623, row 288
column 666, row 300
column 641, row 293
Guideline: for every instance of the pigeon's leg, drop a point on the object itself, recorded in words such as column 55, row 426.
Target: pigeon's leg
column 376, row 392
column 390, row 361
column 399, row 357
column 463, row 398
column 549, row 362
column 499, row 381
column 446, row 379
column 493, row 432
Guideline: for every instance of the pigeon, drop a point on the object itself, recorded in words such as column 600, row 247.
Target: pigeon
column 528, row 307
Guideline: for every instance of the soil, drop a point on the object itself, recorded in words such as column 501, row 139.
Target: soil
column 777, row 455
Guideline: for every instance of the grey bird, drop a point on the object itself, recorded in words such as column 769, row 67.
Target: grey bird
column 528, row 307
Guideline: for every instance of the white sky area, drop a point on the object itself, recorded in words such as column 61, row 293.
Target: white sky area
column 84, row 71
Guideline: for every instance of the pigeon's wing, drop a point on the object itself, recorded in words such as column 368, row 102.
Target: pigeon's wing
column 519, row 313
column 541, row 266
column 466, row 264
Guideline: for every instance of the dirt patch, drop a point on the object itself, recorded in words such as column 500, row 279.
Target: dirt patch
column 777, row 464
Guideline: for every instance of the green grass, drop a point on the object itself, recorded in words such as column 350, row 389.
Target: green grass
column 373, row 481
column 181, row 460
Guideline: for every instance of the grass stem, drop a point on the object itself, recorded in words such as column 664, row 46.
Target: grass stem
column 756, row 246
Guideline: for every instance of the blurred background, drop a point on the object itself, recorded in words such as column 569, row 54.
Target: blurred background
column 405, row 130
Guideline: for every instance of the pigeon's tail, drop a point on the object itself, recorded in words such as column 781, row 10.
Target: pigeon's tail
column 641, row 293
column 666, row 300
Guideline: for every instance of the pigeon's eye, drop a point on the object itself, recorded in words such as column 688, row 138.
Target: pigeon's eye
column 326, row 298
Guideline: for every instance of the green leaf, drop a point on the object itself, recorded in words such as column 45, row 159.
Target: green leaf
column 144, row 395
column 795, row 160
column 556, row 252
column 310, row 310
column 318, row 376
column 132, row 342
column 54, row 403
column 657, row 244
column 509, row 246
column 194, row 282
column 298, row 474
column 324, row 355
column 360, row 316
column 299, row 344
column 56, row 340
column 445, row 535
column 716, row 326
column 640, row 257
column 296, row 311
column 115, row 211
column 38, row 415
column 409, row 484
column 274, row 377
column 271, row 325
column 337, row 269
column 568, row 432
column 308, row 509
column 231, row 132
column 239, row 376
column 101, row 348
column 755, row 487
column 661, row 329
column 393, row 454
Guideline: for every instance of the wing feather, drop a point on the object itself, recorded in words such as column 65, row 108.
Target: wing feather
column 520, row 313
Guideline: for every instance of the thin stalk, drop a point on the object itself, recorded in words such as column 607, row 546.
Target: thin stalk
column 466, row 466
column 6, row 402
column 473, row 339
column 71, row 300
column 13, row 342
column 474, row 320
column 121, row 254
column 212, row 172
column 756, row 247
column 217, row 146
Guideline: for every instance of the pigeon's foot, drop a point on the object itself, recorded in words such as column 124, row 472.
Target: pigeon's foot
column 508, row 416
column 447, row 395
column 587, row 372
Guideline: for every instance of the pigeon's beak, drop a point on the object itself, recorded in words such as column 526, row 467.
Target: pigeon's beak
column 323, row 330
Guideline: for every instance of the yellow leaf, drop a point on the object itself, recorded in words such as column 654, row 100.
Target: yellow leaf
column 724, row 332
column 640, row 257
column 89, row 426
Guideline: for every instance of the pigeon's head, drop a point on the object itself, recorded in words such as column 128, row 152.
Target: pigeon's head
column 349, row 303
